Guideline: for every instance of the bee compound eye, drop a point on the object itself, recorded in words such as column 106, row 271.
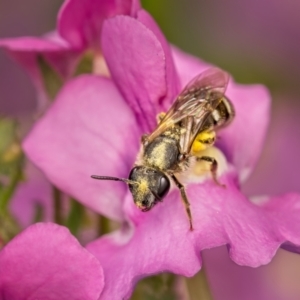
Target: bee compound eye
column 164, row 186
column 132, row 173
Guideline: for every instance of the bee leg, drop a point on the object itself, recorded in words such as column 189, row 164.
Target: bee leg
column 144, row 139
column 188, row 123
column 160, row 117
column 184, row 199
column 203, row 141
column 213, row 168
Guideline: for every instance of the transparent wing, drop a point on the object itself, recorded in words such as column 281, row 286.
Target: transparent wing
column 195, row 103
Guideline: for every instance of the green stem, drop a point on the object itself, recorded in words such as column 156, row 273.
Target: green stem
column 7, row 193
column 39, row 213
column 198, row 287
column 51, row 79
column 75, row 216
column 104, row 225
column 57, row 196
column 159, row 287
column 9, row 228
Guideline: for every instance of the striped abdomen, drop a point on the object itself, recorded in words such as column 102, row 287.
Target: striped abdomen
column 221, row 116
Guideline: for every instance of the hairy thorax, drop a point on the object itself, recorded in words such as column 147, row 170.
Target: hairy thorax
column 162, row 153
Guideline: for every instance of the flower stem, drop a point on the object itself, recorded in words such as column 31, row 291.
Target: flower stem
column 9, row 228
column 103, row 225
column 158, row 287
column 198, row 287
column 51, row 79
column 57, row 195
column 75, row 216
column 7, row 192
column 39, row 213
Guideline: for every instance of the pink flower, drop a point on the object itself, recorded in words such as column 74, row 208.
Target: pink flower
column 94, row 126
column 277, row 281
column 78, row 30
column 46, row 262
column 34, row 193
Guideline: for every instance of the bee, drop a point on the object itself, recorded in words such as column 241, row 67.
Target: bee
column 188, row 128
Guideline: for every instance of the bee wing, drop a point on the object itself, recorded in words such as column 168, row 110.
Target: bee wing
column 197, row 100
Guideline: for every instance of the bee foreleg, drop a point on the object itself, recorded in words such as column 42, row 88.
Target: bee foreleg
column 187, row 135
column 144, row 139
column 184, row 199
column 160, row 117
column 213, row 168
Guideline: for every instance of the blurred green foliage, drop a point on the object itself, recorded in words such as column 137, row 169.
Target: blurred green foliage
column 11, row 161
column 11, row 168
column 51, row 79
column 160, row 287
column 85, row 64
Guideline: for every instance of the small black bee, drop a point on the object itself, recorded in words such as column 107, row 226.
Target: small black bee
column 188, row 128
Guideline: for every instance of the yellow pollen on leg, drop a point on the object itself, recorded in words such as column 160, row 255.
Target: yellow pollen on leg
column 203, row 140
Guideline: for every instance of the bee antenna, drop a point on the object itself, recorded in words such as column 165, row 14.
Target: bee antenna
column 114, row 179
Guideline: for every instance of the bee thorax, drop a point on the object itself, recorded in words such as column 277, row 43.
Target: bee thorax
column 162, row 153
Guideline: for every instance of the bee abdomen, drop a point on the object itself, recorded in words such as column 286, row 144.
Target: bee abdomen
column 221, row 116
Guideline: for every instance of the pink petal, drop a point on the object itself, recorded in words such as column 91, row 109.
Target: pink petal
column 172, row 80
column 137, row 63
column 56, row 51
column 279, row 280
column 28, row 43
column 228, row 280
column 187, row 65
column 243, row 139
column 46, row 262
column 88, row 130
column 80, row 22
column 276, row 171
column 162, row 241
column 33, row 192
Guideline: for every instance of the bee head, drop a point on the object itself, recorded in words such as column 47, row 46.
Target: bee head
column 149, row 186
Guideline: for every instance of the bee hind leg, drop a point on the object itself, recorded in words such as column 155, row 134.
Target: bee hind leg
column 213, row 168
column 184, row 199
